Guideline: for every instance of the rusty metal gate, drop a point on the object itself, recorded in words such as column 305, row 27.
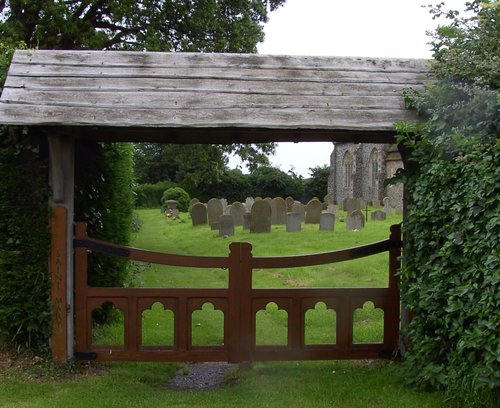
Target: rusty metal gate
column 239, row 303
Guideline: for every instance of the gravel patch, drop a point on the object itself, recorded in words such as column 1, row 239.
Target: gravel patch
column 201, row 376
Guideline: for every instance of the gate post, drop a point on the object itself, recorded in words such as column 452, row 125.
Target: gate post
column 61, row 179
column 240, row 302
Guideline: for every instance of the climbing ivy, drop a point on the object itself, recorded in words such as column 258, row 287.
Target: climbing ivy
column 451, row 275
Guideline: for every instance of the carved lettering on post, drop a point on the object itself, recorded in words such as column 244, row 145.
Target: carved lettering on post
column 58, row 285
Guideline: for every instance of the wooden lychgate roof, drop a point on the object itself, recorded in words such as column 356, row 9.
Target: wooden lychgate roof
column 196, row 97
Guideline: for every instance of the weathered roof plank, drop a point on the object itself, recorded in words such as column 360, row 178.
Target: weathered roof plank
column 114, row 89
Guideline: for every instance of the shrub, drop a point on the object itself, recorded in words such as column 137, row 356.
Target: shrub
column 103, row 199
column 149, row 195
column 179, row 194
column 25, row 309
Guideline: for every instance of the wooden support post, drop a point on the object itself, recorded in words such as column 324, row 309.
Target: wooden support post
column 58, row 256
column 392, row 315
column 62, row 152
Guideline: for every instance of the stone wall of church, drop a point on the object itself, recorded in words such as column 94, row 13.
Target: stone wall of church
column 368, row 172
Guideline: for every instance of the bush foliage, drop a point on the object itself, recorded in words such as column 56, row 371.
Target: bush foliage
column 149, row 195
column 178, row 194
column 451, row 274
column 25, row 310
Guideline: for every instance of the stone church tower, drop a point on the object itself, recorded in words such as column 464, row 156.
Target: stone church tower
column 359, row 170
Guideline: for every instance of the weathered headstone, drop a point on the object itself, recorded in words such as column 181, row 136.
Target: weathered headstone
column 387, row 206
column 214, row 210
column 376, row 203
column 261, row 217
column 193, row 202
column 237, row 210
column 313, row 211
column 352, row 204
column 378, row 215
column 247, row 217
column 355, row 221
column 293, row 222
column 248, row 203
column 328, row 199
column 289, row 202
column 278, row 214
column 224, row 205
column 199, row 214
column 326, row 222
column 226, row 226
column 299, row 208
column 332, row 209
column 227, row 210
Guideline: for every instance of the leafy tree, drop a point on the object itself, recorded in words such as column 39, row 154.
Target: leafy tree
column 193, row 166
column 161, row 25
column 269, row 181
column 317, row 184
column 451, row 277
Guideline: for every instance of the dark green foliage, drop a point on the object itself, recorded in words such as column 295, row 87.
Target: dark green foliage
column 317, row 185
column 272, row 182
column 103, row 199
column 149, row 195
column 194, row 166
column 24, row 240
column 451, row 276
column 233, row 185
column 178, row 194
column 209, row 26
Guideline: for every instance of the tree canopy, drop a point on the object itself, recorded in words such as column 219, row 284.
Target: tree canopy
column 154, row 25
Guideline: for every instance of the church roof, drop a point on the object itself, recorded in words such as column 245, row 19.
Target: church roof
column 192, row 96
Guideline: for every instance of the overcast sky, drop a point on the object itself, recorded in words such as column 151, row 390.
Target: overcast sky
column 361, row 28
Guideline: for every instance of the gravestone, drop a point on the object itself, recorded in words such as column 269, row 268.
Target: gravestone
column 261, row 217
column 248, row 203
column 227, row 210
column 193, row 202
column 378, row 215
column 226, row 226
column 326, row 222
column 237, row 210
column 289, row 202
column 247, row 217
column 199, row 214
column 376, row 203
column 387, row 206
column 299, row 208
column 214, row 211
column 332, row 209
column 313, row 211
column 352, row 204
column 278, row 214
column 327, row 199
column 293, row 222
column 224, row 205
column 399, row 208
column 355, row 221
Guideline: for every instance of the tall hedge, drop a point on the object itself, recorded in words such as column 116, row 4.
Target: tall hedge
column 25, row 310
column 104, row 200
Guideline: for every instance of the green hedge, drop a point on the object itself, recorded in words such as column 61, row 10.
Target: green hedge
column 25, row 309
column 149, row 195
column 103, row 199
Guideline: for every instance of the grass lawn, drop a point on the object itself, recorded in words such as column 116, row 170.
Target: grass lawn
column 272, row 384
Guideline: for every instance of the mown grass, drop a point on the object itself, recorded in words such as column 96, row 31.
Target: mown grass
column 317, row 384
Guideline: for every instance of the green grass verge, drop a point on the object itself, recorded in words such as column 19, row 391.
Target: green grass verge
column 273, row 384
